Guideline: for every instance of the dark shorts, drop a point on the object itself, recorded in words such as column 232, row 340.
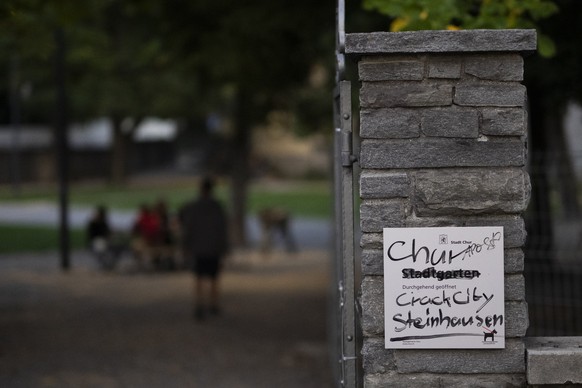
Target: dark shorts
column 206, row 266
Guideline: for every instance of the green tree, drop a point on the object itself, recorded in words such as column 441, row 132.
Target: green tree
column 117, row 65
column 27, row 47
column 260, row 52
column 122, row 70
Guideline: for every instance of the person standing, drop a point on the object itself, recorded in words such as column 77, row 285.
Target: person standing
column 205, row 242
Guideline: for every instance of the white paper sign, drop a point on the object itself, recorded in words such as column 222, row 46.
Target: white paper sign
column 444, row 288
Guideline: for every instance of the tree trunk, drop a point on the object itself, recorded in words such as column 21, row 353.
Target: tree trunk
column 119, row 153
column 241, row 150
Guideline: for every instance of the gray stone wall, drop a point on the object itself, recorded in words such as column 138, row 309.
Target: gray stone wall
column 443, row 143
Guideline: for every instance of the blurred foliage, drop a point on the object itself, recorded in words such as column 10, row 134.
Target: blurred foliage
column 264, row 48
column 467, row 14
column 129, row 59
column 116, row 60
column 558, row 79
column 133, row 58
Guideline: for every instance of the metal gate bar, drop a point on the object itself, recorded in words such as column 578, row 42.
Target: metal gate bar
column 344, row 216
column 345, row 251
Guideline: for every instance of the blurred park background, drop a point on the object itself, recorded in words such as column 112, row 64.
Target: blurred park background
column 123, row 102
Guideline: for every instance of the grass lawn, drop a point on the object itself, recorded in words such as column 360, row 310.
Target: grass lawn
column 305, row 199
column 15, row 238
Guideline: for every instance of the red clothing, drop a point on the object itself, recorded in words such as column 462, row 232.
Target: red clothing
column 147, row 226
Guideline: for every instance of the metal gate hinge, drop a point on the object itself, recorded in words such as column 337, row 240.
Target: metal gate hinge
column 347, row 155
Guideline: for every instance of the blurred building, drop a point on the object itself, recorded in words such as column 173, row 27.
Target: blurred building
column 280, row 153
column 168, row 146
column 27, row 152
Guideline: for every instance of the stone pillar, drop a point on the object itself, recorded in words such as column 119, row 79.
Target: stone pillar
column 443, row 143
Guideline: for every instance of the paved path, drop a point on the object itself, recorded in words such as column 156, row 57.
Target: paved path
column 87, row 328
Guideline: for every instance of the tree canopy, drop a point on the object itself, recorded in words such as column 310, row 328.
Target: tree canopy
column 168, row 58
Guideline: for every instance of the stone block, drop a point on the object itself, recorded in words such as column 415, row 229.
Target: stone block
column 503, row 122
column 554, row 360
column 371, row 240
column 433, row 222
column 508, row 360
column 372, row 303
column 471, row 191
column 514, row 287
column 495, row 67
column 378, row 214
column 386, row 69
column 437, row 152
column 514, row 260
column 441, row 42
column 376, row 359
column 450, row 122
column 372, row 262
column 431, row 380
column 404, row 94
column 490, row 94
column 516, row 319
column 448, row 67
column 514, row 233
column 396, row 123
column 384, row 184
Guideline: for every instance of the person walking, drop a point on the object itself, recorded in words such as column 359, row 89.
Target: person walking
column 205, row 243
